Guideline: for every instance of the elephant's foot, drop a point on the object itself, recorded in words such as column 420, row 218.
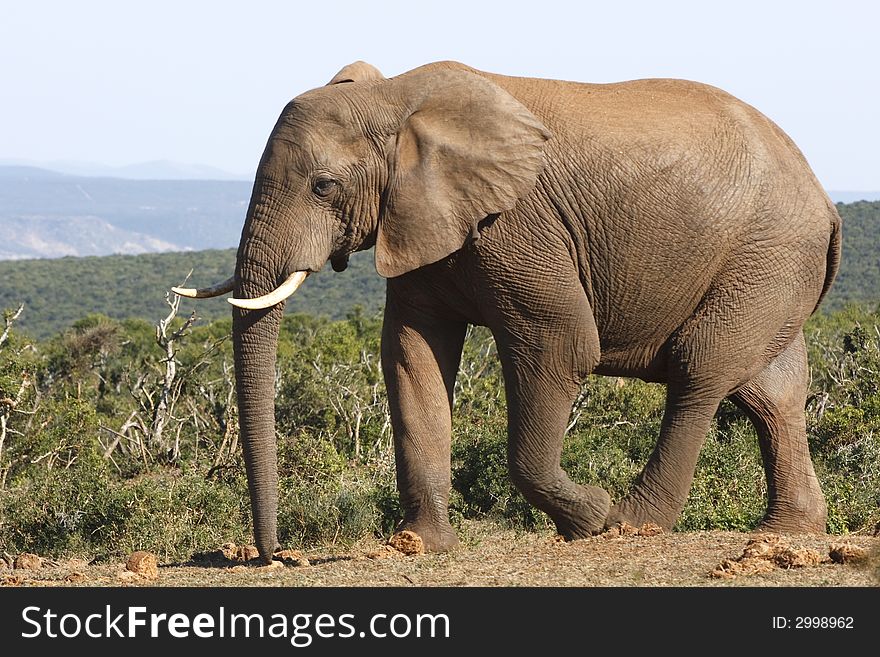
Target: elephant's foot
column 807, row 518
column 268, row 556
column 638, row 509
column 436, row 537
column 585, row 518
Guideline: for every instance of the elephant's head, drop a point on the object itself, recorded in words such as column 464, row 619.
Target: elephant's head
column 409, row 164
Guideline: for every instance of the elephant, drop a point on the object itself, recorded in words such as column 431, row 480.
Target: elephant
column 659, row 229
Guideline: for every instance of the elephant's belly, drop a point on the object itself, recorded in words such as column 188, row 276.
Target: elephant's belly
column 646, row 362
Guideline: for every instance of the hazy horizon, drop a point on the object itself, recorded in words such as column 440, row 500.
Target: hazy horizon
column 198, row 171
column 202, row 83
column 130, row 170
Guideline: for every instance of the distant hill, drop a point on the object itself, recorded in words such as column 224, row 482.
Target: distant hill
column 53, row 237
column 44, row 214
column 859, row 276
column 852, row 197
column 26, row 172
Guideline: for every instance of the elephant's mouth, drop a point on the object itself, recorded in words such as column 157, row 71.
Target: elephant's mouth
column 339, row 264
column 276, row 296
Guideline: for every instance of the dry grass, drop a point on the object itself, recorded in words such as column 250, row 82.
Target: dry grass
column 492, row 556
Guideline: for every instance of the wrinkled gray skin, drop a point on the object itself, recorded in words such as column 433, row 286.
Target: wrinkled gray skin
column 657, row 229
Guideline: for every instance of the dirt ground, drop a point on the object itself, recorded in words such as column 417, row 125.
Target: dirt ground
column 493, row 556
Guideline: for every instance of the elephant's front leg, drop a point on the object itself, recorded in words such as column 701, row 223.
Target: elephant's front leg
column 420, row 358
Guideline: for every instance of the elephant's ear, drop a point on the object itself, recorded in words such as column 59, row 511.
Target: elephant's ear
column 357, row 72
column 466, row 149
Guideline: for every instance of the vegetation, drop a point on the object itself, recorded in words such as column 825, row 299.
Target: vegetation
column 105, row 449
column 859, row 276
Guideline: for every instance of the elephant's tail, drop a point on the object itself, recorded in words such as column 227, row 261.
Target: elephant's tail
column 832, row 261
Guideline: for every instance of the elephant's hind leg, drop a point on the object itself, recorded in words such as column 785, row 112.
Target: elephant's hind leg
column 662, row 488
column 774, row 401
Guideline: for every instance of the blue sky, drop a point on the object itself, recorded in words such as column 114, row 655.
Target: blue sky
column 203, row 82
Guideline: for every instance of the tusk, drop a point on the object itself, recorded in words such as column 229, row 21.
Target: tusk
column 274, row 297
column 206, row 292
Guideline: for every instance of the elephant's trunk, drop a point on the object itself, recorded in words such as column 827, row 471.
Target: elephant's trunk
column 255, row 339
column 255, row 342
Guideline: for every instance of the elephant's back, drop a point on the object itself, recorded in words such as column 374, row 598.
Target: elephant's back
column 669, row 122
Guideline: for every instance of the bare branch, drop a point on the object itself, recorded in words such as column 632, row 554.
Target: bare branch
column 9, row 319
column 8, row 405
column 170, row 391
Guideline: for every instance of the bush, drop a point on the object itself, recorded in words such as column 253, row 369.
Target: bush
column 84, row 512
column 481, row 482
column 844, row 415
column 325, row 499
column 730, row 489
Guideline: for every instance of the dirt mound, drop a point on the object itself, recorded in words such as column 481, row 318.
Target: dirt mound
column 141, row 563
column 292, row 557
column 407, row 542
column 228, row 553
column 767, row 552
column 384, row 552
column 236, row 556
column 28, row 561
column 239, row 553
column 847, row 553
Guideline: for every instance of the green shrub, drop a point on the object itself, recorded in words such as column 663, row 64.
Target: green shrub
column 844, row 415
column 326, row 499
column 729, row 489
column 340, row 512
column 86, row 513
column 480, row 479
column 54, row 511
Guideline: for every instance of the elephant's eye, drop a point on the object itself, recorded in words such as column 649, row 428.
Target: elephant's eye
column 323, row 187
